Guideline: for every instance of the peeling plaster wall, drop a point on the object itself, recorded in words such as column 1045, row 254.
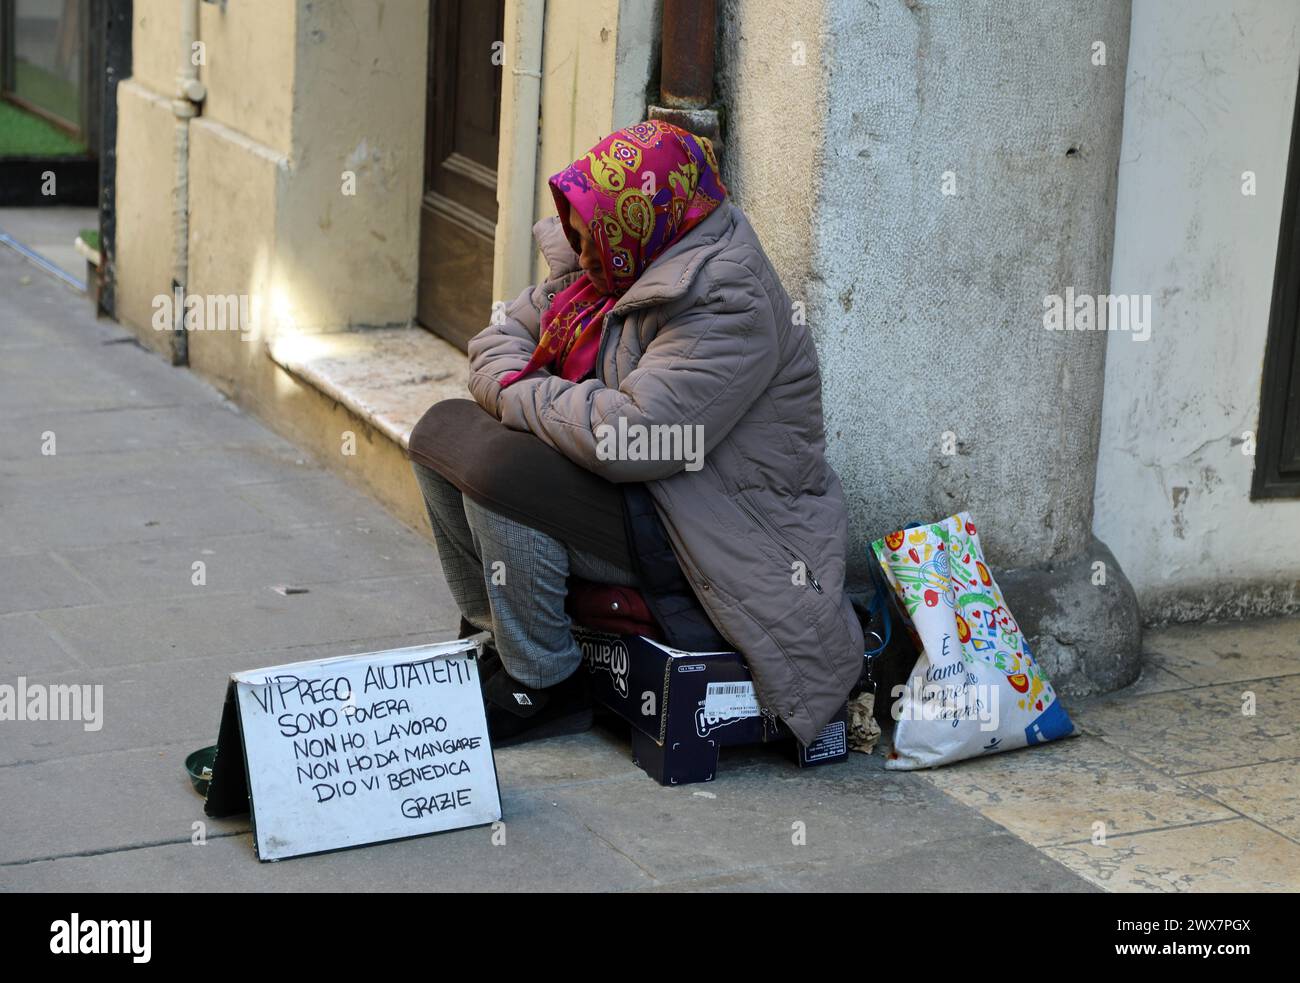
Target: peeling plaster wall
column 1211, row 89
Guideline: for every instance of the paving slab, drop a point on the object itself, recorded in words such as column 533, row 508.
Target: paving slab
column 51, row 230
column 1232, row 855
column 1268, row 793
column 1072, row 790
column 27, row 645
column 1203, row 728
column 542, row 849
column 212, row 622
column 848, row 816
column 1218, row 653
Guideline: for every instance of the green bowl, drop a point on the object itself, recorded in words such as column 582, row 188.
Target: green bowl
column 199, row 766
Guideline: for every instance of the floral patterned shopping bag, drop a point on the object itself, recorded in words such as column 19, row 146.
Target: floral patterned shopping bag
column 976, row 688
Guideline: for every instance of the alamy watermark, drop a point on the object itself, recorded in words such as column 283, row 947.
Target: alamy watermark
column 946, row 693
column 37, row 701
column 207, row 312
column 651, row 442
column 77, row 936
column 1098, row 312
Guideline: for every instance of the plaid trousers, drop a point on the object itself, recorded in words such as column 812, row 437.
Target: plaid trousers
column 511, row 580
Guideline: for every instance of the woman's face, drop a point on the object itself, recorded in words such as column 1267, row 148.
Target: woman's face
column 588, row 254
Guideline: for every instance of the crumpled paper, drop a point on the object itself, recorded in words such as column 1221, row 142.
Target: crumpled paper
column 864, row 732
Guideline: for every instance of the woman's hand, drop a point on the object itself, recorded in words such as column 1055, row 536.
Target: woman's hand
column 522, row 390
column 502, row 347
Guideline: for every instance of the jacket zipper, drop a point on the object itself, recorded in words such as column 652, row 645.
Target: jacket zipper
column 600, row 349
column 753, row 512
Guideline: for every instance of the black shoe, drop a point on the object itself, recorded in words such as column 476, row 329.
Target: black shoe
column 489, row 660
column 489, row 664
column 467, row 628
column 517, row 713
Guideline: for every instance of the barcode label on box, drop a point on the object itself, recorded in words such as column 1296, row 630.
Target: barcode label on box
column 730, row 700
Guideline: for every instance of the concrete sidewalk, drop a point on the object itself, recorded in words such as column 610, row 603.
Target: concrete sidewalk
column 51, row 231
column 154, row 471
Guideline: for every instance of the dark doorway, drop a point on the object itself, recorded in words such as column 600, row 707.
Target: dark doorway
column 1277, row 458
column 459, row 210
column 51, row 99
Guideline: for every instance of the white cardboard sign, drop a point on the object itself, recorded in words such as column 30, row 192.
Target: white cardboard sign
column 365, row 748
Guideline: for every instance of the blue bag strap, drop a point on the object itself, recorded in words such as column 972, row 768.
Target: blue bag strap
column 884, row 596
column 879, row 603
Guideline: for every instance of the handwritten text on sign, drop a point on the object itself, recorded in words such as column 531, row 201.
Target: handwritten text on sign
column 365, row 748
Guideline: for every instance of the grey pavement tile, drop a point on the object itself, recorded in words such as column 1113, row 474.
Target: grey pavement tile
column 991, row 861
column 125, row 518
column 253, row 561
column 29, row 646
column 599, row 755
column 851, row 812
column 35, row 581
column 39, row 379
column 202, row 424
column 212, row 623
column 98, row 802
column 1207, row 654
column 1205, row 728
column 315, row 500
column 995, row 861
column 37, row 311
column 543, row 850
column 152, row 470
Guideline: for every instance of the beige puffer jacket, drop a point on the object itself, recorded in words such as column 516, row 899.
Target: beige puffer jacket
column 707, row 337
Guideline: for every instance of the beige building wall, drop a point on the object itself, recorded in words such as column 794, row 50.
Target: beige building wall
column 596, row 62
column 298, row 96
column 301, row 97
column 358, row 107
column 249, row 66
column 145, row 250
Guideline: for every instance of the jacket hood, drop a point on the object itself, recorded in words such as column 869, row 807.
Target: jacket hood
column 555, row 247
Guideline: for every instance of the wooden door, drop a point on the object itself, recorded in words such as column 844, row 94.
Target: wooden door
column 459, row 211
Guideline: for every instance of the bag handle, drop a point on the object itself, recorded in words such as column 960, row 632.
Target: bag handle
column 879, row 605
column 882, row 602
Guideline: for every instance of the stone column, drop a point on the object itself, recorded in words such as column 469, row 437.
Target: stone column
column 968, row 173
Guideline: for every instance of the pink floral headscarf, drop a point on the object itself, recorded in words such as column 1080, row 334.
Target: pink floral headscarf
column 638, row 191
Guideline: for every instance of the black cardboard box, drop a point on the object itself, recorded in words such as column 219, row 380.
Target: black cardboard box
column 685, row 706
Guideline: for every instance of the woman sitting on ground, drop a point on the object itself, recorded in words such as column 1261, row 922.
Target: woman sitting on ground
column 662, row 325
